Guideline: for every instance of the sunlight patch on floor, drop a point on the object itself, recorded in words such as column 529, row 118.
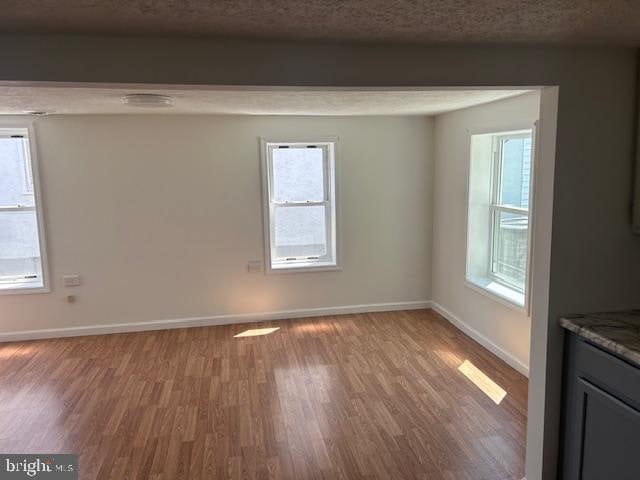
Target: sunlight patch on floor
column 490, row 388
column 256, row 332
column 312, row 327
column 18, row 351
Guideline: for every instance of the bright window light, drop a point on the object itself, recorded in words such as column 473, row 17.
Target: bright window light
column 498, row 215
column 299, row 190
column 256, row 332
column 21, row 246
column 484, row 383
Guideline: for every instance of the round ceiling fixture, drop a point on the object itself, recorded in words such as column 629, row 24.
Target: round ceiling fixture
column 39, row 113
column 148, row 100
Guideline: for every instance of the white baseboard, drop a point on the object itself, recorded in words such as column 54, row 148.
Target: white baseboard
column 209, row 321
column 481, row 339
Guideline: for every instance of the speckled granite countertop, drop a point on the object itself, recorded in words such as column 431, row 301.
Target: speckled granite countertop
column 615, row 331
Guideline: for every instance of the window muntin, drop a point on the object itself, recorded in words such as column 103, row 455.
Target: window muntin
column 21, row 263
column 510, row 210
column 300, row 182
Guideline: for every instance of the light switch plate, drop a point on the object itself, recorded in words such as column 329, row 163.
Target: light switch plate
column 71, row 280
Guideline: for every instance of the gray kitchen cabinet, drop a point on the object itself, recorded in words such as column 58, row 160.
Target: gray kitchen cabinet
column 601, row 414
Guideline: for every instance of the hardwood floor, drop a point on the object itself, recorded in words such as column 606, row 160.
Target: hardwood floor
column 356, row 396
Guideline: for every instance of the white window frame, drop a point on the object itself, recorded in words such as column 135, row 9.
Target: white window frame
column 27, row 130
column 496, row 208
column 28, row 170
column 487, row 284
column 329, row 261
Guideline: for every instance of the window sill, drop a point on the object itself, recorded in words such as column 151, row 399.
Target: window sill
column 304, row 267
column 501, row 293
column 24, row 288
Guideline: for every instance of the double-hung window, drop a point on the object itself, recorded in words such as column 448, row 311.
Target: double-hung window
column 21, row 242
column 299, row 189
column 499, row 215
column 510, row 210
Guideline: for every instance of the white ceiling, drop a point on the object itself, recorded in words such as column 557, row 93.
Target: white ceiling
column 59, row 99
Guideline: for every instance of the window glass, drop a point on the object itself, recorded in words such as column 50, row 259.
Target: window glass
column 20, row 257
column 514, row 173
column 300, row 231
column 298, row 175
column 510, row 237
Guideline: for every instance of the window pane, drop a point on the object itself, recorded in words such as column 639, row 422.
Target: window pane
column 516, row 168
column 19, row 248
column 298, row 175
column 19, row 244
column 300, row 231
column 15, row 170
column 510, row 248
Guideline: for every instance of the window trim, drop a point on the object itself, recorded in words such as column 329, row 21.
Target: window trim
column 487, row 285
column 21, row 127
column 330, row 145
column 28, row 169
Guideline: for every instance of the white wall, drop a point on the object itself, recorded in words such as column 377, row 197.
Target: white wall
column 507, row 328
column 160, row 214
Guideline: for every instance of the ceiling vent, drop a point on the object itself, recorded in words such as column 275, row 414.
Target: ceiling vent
column 148, row 100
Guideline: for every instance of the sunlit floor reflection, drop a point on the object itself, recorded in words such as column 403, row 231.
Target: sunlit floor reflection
column 312, row 327
column 256, row 332
column 8, row 351
column 484, row 383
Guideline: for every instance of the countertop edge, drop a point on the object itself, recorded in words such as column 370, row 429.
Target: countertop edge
column 588, row 333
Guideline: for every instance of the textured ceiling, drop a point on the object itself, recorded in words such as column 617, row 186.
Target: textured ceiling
column 86, row 100
column 433, row 21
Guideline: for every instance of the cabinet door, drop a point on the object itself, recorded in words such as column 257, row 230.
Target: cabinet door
column 610, row 436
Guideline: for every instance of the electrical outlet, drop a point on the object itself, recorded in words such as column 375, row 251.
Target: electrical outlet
column 254, row 266
column 71, row 280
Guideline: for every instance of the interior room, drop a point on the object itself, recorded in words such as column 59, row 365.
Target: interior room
column 381, row 240
column 281, row 254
